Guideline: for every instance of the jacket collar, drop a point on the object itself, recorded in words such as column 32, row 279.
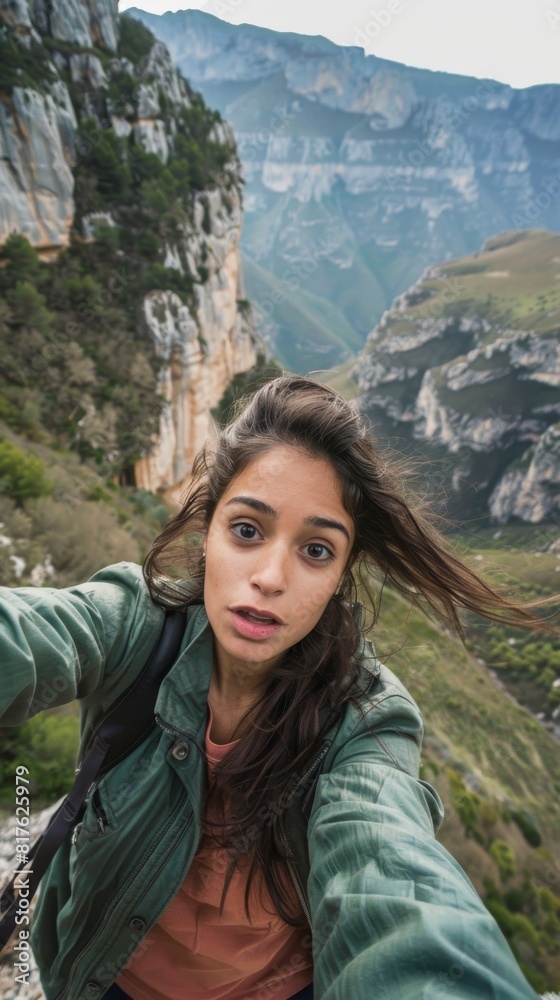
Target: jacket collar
column 182, row 698
column 183, row 693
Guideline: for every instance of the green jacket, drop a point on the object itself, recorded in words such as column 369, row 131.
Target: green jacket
column 392, row 914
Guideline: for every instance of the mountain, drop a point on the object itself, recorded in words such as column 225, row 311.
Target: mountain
column 123, row 319
column 465, row 368
column 128, row 187
column 361, row 172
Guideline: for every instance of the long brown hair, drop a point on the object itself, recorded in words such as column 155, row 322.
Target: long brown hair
column 309, row 689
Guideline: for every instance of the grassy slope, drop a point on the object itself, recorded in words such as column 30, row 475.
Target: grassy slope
column 514, row 283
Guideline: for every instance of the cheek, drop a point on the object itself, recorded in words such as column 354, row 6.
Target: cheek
column 314, row 599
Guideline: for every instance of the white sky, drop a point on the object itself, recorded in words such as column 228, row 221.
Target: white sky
column 514, row 41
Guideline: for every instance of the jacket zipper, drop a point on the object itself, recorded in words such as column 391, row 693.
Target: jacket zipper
column 123, row 891
column 296, row 880
column 323, row 752
column 98, row 810
column 173, row 732
column 302, row 896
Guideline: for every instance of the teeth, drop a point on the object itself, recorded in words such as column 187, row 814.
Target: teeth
column 257, row 619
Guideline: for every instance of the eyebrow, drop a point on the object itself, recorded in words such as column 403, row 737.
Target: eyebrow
column 265, row 508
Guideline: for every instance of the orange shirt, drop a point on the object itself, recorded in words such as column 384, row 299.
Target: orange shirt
column 195, row 954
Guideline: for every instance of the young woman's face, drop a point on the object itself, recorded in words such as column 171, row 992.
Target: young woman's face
column 276, row 550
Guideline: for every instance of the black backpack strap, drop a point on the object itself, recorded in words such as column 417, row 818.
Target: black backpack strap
column 123, row 727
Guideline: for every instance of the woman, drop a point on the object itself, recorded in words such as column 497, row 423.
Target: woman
column 271, row 837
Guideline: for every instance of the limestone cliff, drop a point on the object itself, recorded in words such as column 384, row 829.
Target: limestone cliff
column 199, row 357
column 468, row 361
column 68, row 87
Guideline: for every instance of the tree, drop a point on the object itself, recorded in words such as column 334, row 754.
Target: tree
column 21, row 476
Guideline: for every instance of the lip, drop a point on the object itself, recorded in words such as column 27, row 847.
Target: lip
column 251, row 630
column 258, row 611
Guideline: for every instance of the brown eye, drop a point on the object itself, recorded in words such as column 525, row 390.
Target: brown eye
column 244, row 530
column 319, row 553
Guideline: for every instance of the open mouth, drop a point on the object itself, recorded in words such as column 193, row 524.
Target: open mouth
column 257, row 619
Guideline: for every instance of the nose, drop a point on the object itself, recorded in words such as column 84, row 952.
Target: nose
column 270, row 571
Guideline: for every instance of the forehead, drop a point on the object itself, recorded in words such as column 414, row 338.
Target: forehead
column 286, row 474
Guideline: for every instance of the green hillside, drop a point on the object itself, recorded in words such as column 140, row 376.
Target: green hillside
column 514, row 282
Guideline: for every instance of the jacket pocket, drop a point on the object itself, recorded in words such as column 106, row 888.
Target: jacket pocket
column 97, row 821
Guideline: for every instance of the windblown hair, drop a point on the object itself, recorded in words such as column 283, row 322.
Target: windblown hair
column 307, row 692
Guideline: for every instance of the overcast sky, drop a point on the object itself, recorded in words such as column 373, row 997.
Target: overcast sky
column 514, row 41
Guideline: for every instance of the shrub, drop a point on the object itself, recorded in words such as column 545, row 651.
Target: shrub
column 21, row 476
column 245, row 384
column 528, row 829
column 466, row 803
column 80, row 538
column 135, row 40
column 22, row 261
column 28, row 307
column 47, row 745
column 504, row 857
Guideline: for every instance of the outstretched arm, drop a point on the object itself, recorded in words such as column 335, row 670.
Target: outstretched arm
column 394, row 915
column 58, row 645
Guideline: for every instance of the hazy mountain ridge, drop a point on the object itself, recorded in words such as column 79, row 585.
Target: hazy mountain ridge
column 401, row 166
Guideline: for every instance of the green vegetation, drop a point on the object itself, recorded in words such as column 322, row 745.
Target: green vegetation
column 48, row 745
column 135, row 41
column 526, row 662
column 21, row 67
column 243, row 384
column 512, row 283
column 22, row 475
column 276, row 305
column 76, row 371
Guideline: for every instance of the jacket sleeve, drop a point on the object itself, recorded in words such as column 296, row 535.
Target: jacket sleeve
column 58, row 645
column 394, row 916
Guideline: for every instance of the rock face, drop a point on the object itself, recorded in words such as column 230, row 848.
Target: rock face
column 531, row 492
column 36, row 150
column 200, row 354
column 42, row 138
column 442, row 368
column 37, row 126
column 403, row 166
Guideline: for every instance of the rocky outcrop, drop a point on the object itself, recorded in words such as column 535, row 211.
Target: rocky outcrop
column 202, row 345
column 532, row 491
column 36, row 150
column 200, row 353
column 439, row 371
